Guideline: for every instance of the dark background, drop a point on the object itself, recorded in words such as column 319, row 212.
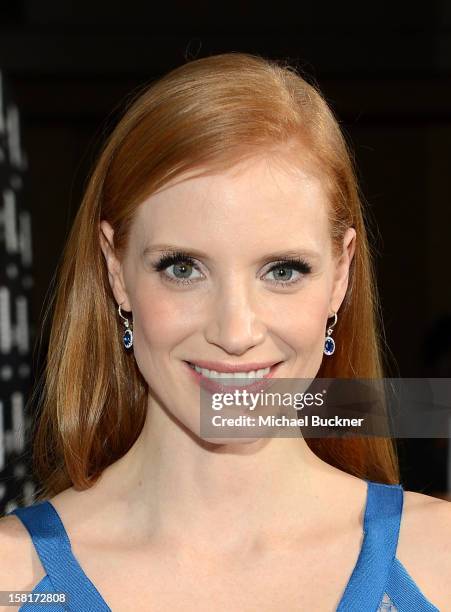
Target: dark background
column 385, row 68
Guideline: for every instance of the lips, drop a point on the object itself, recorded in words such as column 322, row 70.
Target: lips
column 224, row 368
column 216, row 386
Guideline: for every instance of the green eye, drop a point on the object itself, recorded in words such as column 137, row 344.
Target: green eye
column 282, row 273
column 177, row 268
column 182, row 270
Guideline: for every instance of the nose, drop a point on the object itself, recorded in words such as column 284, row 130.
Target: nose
column 235, row 324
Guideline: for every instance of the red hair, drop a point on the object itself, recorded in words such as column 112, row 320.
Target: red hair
column 94, row 398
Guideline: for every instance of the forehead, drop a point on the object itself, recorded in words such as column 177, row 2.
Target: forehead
column 263, row 198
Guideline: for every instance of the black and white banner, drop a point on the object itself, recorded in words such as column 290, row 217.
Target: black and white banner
column 16, row 487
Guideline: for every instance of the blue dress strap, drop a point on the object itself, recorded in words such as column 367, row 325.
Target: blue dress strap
column 53, row 546
column 44, row 586
column 381, row 525
column 408, row 594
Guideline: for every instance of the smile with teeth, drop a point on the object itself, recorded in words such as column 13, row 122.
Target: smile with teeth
column 235, row 376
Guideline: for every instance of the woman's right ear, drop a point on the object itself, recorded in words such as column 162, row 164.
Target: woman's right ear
column 106, row 234
column 106, row 237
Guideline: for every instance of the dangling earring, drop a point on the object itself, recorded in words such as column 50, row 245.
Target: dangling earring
column 329, row 342
column 127, row 338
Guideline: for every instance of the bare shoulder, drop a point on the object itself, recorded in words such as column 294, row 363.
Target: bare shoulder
column 20, row 567
column 424, row 546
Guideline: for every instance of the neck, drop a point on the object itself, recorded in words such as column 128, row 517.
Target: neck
column 218, row 497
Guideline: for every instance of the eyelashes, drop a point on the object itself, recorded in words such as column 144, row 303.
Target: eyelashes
column 170, row 259
column 188, row 264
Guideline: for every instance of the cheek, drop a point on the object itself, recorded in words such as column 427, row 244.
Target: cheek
column 302, row 325
column 159, row 320
column 303, row 331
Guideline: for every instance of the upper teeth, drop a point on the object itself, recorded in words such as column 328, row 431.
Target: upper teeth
column 235, row 375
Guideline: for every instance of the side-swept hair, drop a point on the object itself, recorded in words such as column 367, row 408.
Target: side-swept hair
column 211, row 112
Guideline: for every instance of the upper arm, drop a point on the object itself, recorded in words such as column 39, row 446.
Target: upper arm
column 20, row 567
column 424, row 546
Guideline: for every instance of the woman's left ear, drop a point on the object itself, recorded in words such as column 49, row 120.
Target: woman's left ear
column 343, row 264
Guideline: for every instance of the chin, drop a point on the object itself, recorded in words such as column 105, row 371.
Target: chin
column 231, row 441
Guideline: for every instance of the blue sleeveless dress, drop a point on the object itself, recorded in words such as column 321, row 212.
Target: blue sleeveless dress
column 378, row 583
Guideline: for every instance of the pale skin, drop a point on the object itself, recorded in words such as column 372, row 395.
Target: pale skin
column 234, row 314
column 259, row 525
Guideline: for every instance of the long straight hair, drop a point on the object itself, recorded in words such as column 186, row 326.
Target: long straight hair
column 211, row 112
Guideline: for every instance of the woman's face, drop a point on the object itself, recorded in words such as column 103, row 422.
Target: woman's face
column 255, row 281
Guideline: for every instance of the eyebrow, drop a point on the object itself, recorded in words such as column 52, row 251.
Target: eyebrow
column 288, row 253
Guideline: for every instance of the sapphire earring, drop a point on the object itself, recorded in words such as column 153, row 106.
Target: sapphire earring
column 127, row 338
column 329, row 342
